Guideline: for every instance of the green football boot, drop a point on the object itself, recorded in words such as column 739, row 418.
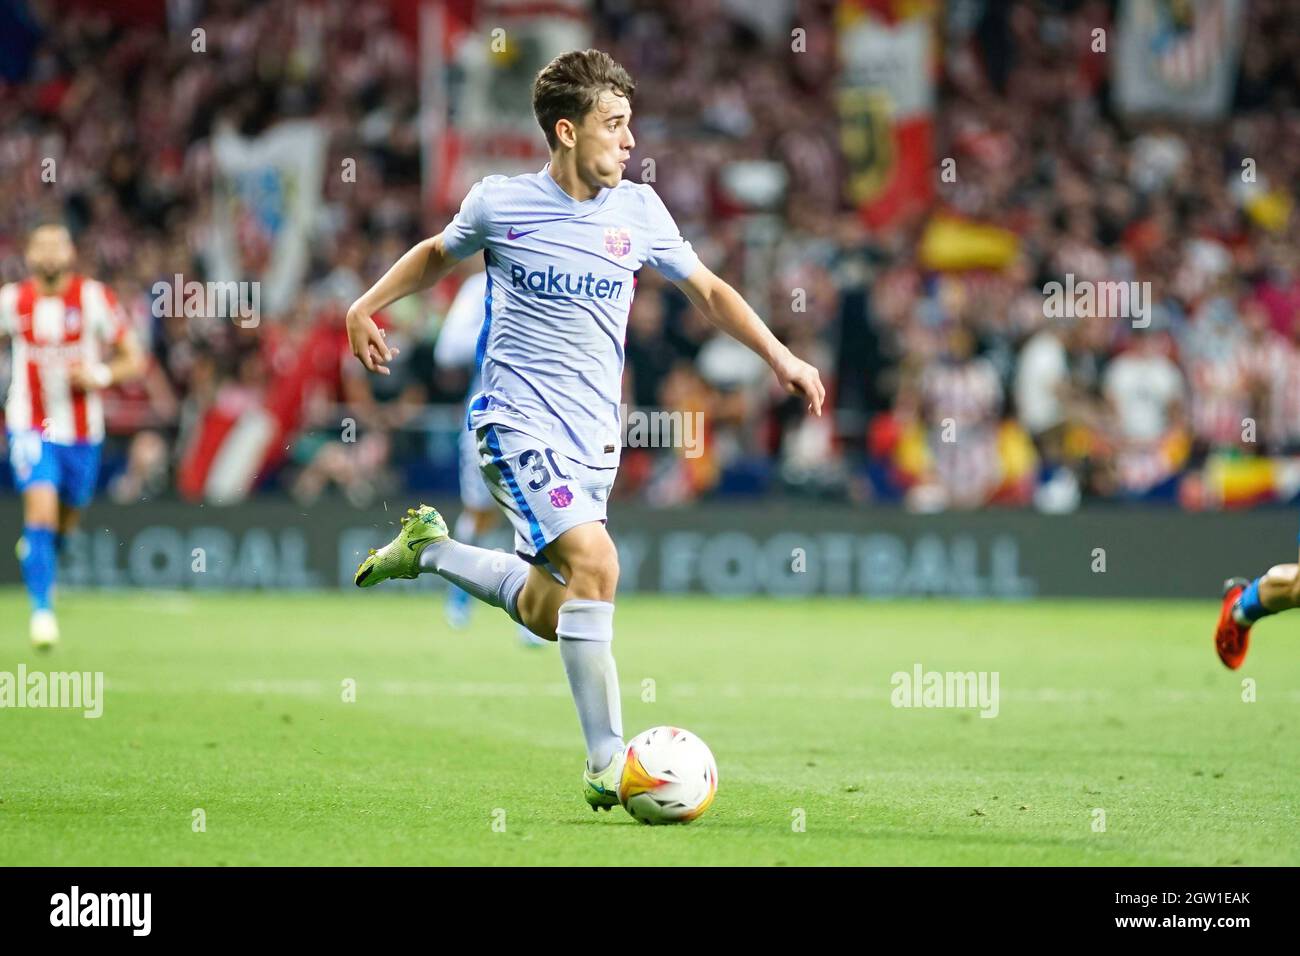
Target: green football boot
column 601, row 789
column 400, row 558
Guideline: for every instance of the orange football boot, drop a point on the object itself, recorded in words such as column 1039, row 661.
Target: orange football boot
column 1231, row 639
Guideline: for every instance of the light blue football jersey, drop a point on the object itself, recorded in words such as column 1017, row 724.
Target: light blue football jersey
column 561, row 275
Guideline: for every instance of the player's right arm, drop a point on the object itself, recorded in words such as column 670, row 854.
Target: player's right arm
column 422, row 266
column 417, row 270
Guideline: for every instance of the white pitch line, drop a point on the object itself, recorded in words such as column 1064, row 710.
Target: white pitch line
column 433, row 690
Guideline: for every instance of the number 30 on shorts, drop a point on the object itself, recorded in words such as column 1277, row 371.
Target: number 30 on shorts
column 534, row 464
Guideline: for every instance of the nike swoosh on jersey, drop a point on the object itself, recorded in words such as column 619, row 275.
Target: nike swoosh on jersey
column 512, row 235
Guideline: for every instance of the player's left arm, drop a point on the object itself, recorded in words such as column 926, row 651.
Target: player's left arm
column 126, row 362
column 726, row 309
column 126, row 359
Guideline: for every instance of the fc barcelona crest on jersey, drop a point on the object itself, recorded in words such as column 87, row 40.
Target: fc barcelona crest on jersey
column 618, row 241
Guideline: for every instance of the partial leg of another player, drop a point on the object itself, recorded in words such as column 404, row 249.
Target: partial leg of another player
column 38, row 556
column 472, row 524
column 1245, row 602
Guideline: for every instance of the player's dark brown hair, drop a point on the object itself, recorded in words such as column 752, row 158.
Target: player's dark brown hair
column 569, row 86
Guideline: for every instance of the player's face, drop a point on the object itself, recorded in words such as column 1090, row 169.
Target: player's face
column 604, row 141
column 50, row 252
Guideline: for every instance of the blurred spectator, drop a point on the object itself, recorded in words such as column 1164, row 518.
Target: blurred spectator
column 1147, row 395
column 958, row 404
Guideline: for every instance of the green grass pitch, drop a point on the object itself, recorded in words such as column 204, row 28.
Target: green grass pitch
column 233, row 704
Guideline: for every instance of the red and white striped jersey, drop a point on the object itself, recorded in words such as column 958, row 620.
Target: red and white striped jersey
column 49, row 334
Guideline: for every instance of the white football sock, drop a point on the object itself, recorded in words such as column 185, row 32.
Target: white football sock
column 586, row 633
column 493, row 577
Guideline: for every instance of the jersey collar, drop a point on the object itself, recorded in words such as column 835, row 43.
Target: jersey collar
column 578, row 205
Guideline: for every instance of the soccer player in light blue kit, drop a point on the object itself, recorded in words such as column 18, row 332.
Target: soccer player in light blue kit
column 562, row 247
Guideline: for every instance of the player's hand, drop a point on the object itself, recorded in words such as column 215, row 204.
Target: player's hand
column 799, row 378
column 367, row 342
column 87, row 378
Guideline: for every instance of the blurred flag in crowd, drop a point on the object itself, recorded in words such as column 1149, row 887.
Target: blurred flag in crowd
column 886, row 102
column 1177, row 57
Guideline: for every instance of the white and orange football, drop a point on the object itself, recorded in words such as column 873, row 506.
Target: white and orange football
column 669, row 776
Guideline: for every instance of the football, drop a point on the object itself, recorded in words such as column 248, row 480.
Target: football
column 669, row 776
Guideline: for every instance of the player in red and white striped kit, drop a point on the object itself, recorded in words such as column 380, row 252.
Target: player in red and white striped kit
column 69, row 341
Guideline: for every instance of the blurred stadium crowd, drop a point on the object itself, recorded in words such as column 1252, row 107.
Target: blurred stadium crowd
column 950, row 387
